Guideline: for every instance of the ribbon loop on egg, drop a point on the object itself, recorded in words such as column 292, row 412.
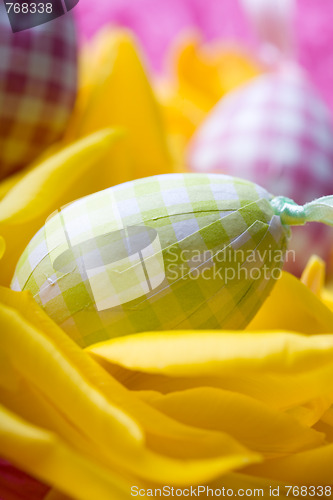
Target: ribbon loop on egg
column 292, row 214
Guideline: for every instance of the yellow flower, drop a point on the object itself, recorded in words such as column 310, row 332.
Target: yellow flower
column 220, row 409
column 61, row 409
column 314, row 278
column 247, row 409
column 115, row 92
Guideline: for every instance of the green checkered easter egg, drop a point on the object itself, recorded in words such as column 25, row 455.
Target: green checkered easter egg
column 177, row 251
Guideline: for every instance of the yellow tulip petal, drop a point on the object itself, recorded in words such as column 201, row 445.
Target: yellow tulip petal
column 326, row 429
column 32, row 354
column 119, row 94
column 41, row 186
column 182, row 116
column 309, row 413
column 260, row 365
column 212, row 353
column 198, row 80
column 314, row 278
column 36, row 408
column 327, row 298
column 268, row 388
column 9, row 182
column 292, row 306
column 22, row 398
column 32, row 406
column 313, row 275
column 209, row 72
column 325, row 424
column 203, row 74
column 58, row 180
column 235, row 67
column 328, row 417
column 251, row 422
column 42, row 455
column 100, row 407
column 2, row 247
column 313, row 467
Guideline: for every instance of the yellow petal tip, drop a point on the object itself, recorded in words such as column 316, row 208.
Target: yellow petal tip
column 313, row 275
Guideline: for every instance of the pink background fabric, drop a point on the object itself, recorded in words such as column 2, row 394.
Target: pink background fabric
column 158, row 22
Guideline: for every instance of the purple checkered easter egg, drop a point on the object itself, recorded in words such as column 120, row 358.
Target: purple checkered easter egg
column 38, row 79
column 275, row 131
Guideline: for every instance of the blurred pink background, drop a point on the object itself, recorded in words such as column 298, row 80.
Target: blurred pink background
column 158, row 22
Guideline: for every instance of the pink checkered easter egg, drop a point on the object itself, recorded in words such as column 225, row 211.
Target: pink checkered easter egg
column 275, row 131
column 38, row 76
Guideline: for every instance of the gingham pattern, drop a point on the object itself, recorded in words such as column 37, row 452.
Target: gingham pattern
column 275, row 131
column 38, row 76
column 172, row 277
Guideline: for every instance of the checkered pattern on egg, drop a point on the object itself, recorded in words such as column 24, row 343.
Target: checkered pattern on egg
column 38, row 81
column 194, row 218
column 275, row 131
